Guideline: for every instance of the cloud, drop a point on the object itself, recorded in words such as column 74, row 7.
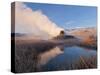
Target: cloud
column 69, row 22
column 35, row 22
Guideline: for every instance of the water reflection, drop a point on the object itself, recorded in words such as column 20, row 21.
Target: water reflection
column 34, row 56
column 47, row 56
column 62, row 58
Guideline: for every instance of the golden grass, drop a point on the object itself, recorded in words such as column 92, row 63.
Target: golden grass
column 86, row 63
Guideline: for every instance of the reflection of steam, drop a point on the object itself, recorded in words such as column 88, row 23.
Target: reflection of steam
column 45, row 57
column 30, row 21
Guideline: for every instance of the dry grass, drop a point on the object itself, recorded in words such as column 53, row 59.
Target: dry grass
column 86, row 63
column 26, row 54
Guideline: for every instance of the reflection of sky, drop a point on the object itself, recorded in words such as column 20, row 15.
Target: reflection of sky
column 68, row 57
column 68, row 16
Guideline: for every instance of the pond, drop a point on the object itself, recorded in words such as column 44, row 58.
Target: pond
column 53, row 55
column 62, row 58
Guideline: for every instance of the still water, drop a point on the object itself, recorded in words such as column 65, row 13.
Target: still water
column 61, row 58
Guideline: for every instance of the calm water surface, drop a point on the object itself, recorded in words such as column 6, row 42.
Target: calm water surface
column 60, row 58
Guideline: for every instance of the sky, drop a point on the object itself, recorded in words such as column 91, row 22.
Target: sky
column 68, row 16
column 50, row 19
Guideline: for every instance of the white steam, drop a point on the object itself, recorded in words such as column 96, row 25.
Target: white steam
column 35, row 22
